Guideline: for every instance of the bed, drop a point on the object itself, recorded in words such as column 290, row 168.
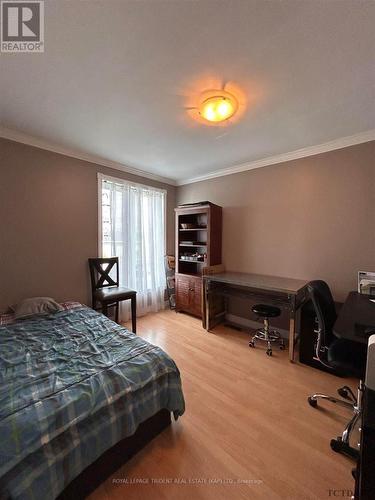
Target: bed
column 74, row 386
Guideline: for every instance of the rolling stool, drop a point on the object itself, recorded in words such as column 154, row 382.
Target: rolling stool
column 265, row 334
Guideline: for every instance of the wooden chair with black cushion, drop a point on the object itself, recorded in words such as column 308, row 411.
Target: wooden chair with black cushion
column 106, row 290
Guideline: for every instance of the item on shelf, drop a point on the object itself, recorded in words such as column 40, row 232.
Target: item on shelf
column 194, row 257
column 193, row 243
column 366, row 282
column 186, row 225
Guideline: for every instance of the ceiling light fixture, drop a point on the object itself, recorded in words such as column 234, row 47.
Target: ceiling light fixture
column 220, row 106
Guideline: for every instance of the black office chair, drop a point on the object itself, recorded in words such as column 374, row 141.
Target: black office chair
column 347, row 358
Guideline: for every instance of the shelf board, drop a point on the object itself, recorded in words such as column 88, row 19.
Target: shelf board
column 190, row 274
column 192, row 245
column 195, row 229
column 192, row 261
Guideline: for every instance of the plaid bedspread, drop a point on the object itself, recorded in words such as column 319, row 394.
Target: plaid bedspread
column 73, row 384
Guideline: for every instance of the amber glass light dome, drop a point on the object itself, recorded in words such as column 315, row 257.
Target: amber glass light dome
column 218, row 107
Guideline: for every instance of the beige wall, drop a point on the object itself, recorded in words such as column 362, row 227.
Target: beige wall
column 49, row 222
column 310, row 218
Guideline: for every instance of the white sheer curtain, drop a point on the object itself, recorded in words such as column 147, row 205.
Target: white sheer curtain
column 132, row 227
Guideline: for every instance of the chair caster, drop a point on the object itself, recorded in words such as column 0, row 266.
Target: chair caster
column 343, row 393
column 312, row 402
column 282, row 347
column 269, row 352
column 336, row 445
column 339, row 446
column 346, row 393
column 252, row 343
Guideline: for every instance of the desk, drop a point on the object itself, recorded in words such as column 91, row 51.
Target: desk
column 356, row 319
column 365, row 478
column 287, row 292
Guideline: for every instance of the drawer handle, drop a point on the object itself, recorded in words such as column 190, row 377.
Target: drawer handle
column 191, row 289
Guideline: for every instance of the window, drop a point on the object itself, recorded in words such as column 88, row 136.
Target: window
column 132, row 227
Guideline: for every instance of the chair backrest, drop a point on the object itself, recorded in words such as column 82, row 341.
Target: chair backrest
column 325, row 311
column 100, row 269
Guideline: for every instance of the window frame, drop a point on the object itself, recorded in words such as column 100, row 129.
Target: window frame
column 100, row 178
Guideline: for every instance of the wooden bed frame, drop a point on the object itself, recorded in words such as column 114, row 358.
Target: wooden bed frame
column 115, row 457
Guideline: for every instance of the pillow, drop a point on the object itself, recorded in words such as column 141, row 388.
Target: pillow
column 36, row 305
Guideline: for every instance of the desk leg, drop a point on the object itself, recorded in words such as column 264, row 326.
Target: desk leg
column 292, row 328
column 134, row 313
column 207, row 304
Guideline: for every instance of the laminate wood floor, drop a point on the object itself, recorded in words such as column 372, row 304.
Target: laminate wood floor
column 248, row 432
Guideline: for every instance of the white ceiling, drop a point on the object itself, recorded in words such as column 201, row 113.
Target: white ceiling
column 117, row 76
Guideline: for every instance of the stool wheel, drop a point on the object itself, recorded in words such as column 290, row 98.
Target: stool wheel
column 282, row 347
column 269, row 352
column 312, row 402
column 252, row 343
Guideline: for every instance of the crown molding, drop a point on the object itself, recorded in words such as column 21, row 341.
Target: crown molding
column 340, row 143
column 17, row 136
column 343, row 142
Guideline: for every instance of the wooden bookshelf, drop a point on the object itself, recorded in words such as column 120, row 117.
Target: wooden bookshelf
column 200, row 236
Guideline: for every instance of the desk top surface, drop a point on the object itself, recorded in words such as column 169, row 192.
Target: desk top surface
column 290, row 286
column 356, row 319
